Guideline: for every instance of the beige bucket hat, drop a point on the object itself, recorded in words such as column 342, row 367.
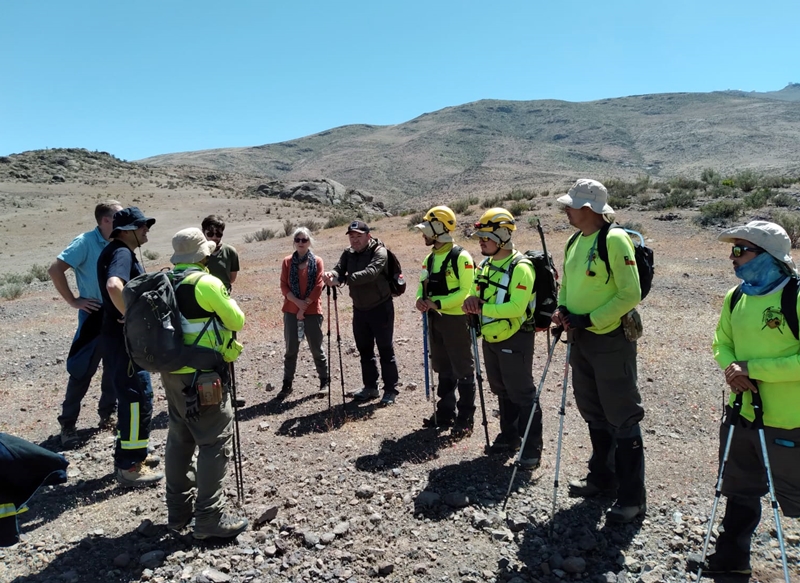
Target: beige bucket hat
column 771, row 237
column 588, row 192
column 191, row 246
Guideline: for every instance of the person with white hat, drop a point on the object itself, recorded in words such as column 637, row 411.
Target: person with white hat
column 199, row 402
column 447, row 275
column 592, row 302
column 756, row 345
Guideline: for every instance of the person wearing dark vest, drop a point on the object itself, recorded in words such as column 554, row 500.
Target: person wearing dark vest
column 199, row 401
column 224, row 261
column 756, row 347
column 501, row 296
column 593, row 299
column 362, row 267
column 116, row 266
column 447, row 275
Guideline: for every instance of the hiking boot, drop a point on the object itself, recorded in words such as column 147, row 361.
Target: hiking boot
column 529, row 463
column 505, row 444
column 239, row 403
column 438, row 420
column 107, row 422
column 366, row 394
column 718, row 564
column 463, row 427
column 152, row 460
column 624, row 514
column 286, row 389
column 324, row 388
column 138, row 476
column 177, row 522
column 586, row 489
column 227, row 527
column 389, row 397
column 69, row 435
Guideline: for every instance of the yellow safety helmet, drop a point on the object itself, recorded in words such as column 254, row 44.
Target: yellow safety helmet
column 438, row 223
column 496, row 224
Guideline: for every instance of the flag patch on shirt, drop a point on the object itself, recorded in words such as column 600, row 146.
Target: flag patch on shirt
column 468, row 266
column 520, row 286
column 629, row 261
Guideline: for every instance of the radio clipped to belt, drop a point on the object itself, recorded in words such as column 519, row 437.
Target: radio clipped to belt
column 209, row 388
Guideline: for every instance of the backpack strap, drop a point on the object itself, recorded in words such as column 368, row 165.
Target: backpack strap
column 736, row 296
column 452, row 258
column 602, row 246
column 789, row 306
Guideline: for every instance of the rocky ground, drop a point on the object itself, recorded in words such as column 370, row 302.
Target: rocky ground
column 360, row 493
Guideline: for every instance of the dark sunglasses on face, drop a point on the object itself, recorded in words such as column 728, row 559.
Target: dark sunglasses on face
column 739, row 250
column 211, row 233
column 300, row 240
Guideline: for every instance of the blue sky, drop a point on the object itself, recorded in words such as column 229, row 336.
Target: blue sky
column 142, row 78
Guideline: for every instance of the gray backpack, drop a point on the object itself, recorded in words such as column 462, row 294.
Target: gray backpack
column 153, row 333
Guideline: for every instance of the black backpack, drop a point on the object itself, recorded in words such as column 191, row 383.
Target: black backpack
column 545, row 286
column 643, row 255
column 153, row 332
column 440, row 278
column 788, row 304
column 393, row 272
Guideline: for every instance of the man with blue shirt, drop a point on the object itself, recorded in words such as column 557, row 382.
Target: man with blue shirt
column 84, row 355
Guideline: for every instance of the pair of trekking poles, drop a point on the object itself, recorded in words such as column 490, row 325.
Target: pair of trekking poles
column 758, row 425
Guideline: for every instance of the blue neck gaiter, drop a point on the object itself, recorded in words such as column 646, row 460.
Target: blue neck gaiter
column 761, row 275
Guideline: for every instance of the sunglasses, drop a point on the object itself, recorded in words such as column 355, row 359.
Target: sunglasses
column 300, row 240
column 214, row 234
column 739, row 250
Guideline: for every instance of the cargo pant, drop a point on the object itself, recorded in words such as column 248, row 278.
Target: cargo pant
column 451, row 357
column 211, row 435
column 82, row 362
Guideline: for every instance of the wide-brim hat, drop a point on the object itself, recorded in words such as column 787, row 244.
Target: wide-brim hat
column 770, row 237
column 588, row 192
column 191, row 246
column 129, row 219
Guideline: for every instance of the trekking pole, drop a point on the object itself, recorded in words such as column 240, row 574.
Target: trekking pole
column 474, row 323
column 758, row 409
column 339, row 342
column 562, row 412
column 237, row 440
column 533, row 412
column 732, row 420
column 329, row 348
column 425, row 355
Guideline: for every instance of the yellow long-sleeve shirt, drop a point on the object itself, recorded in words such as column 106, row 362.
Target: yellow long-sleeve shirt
column 450, row 304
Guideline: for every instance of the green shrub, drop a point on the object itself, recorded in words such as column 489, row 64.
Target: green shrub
column 758, row 198
column 618, row 202
column 459, row 206
column 683, row 183
column 309, row 224
column 662, row 187
column 492, row 201
column 622, row 189
column 784, row 200
column 39, row 272
column 746, row 180
column 473, row 200
column 519, row 194
column 722, row 191
column 415, row 219
column 260, row 235
column 775, row 181
column 791, row 223
column 288, row 227
column 150, row 254
column 337, row 220
column 710, row 177
column 645, row 198
column 634, row 226
column 518, row 208
column 721, row 210
column 676, row 198
column 11, row 291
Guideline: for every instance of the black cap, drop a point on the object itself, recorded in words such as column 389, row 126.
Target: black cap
column 358, row 227
column 130, row 219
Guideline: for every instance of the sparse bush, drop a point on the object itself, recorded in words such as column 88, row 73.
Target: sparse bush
column 645, row 198
column 521, row 194
column 677, row 198
column 721, row 210
column 459, row 206
column 518, row 208
column 758, row 198
column 491, row 202
column 662, row 187
column 150, row 254
column 776, row 181
column 618, row 202
column 415, row 219
column 11, row 291
column 336, row 221
column 746, row 180
column 783, row 199
column 309, row 224
column 683, row 183
column 621, row 189
column 710, row 177
column 473, row 200
column 260, row 235
column 722, row 191
column 39, row 272
column 791, row 223
column 288, row 227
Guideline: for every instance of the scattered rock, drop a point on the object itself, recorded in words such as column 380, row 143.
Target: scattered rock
column 122, row 560
column 427, row 499
column 365, row 491
column 153, row 559
column 574, row 565
column 456, row 499
column 267, row 516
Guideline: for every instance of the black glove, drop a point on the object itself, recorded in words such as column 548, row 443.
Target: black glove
column 192, row 403
column 579, row 321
